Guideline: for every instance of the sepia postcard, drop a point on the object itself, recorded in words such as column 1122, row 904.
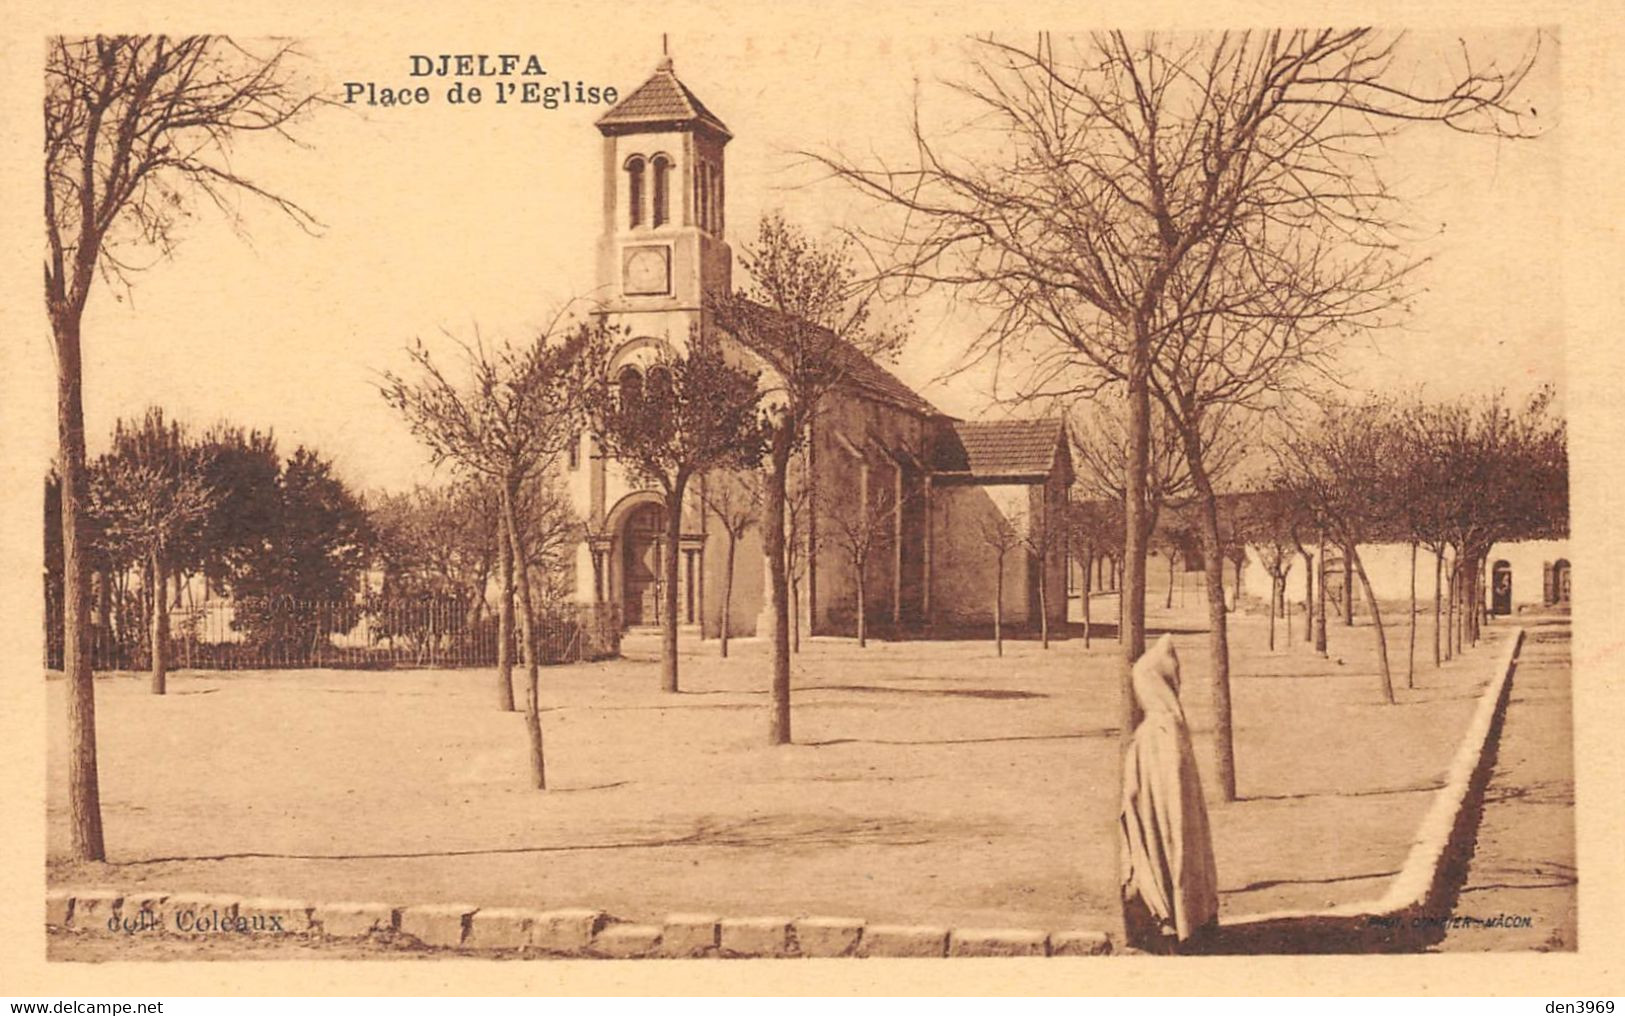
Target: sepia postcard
column 698, row 498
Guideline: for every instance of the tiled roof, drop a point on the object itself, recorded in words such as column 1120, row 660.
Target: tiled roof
column 661, row 100
column 1000, row 447
column 860, row 372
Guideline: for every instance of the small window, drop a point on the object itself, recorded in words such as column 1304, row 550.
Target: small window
column 634, row 191
column 575, row 450
column 662, row 190
column 717, row 202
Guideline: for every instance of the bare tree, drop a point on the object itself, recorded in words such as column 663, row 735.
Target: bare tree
column 519, row 409
column 1094, row 530
column 860, row 527
column 136, row 127
column 1109, row 196
column 806, row 315
column 1040, row 537
column 1271, row 534
column 735, row 499
column 1342, row 466
column 1001, row 535
column 690, row 412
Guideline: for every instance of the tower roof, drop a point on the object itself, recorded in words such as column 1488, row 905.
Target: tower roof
column 661, row 103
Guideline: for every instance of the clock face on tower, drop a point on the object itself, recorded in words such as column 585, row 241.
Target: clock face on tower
column 646, row 271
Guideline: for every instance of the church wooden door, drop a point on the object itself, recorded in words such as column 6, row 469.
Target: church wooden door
column 641, row 544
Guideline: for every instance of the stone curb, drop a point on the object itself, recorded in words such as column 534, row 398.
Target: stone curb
column 1443, row 840
column 582, row 933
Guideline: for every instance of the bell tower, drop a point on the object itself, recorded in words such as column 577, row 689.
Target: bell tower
column 661, row 247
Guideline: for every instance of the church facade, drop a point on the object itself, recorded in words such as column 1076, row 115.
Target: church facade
column 945, row 505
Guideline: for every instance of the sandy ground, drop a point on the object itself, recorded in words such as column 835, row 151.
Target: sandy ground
column 1523, row 866
column 930, row 781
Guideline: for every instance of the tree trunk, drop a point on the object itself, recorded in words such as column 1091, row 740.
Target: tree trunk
column 1450, row 611
column 1043, row 606
column 998, row 607
column 1224, row 750
column 1320, row 602
column 1348, row 589
column 795, row 615
column 1376, row 623
column 1410, row 655
column 84, row 785
column 1088, row 582
column 476, row 599
column 527, row 633
column 1274, row 583
column 727, row 595
column 1286, row 612
column 505, row 632
column 1168, row 601
column 668, row 567
column 863, row 606
column 160, row 623
column 1308, row 597
column 1135, row 530
column 778, row 730
column 1438, row 612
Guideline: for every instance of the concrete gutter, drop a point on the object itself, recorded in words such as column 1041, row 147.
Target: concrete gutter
column 1409, row 915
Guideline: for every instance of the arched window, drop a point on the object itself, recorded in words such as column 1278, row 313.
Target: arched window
column 703, row 184
column 662, row 190
column 634, row 191
column 694, row 205
column 717, row 202
column 659, row 386
column 631, row 385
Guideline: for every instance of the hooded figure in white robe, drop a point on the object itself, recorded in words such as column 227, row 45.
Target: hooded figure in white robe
column 1170, row 885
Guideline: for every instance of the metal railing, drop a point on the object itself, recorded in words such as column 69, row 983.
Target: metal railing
column 281, row 632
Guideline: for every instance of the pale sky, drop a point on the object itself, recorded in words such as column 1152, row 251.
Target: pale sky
column 443, row 217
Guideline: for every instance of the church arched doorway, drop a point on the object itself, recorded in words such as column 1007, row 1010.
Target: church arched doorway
column 1560, row 582
column 642, row 538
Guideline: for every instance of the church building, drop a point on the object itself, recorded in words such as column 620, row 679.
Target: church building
column 950, row 502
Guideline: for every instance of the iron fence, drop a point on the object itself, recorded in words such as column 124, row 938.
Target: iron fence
column 275, row 633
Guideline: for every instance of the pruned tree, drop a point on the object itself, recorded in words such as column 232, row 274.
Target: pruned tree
column 734, row 499
column 1504, row 470
column 861, row 528
column 136, row 129
column 686, row 414
column 518, row 410
column 1270, row 532
column 152, row 498
column 1001, row 536
column 1341, row 466
column 806, row 315
column 1041, row 537
column 1095, row 531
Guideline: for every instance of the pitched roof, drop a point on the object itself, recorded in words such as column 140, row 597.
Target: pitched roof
column 662, row 100
column 1001, row 447
column 860, row 373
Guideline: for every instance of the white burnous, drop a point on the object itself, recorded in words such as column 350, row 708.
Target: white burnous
column 1169, row 881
